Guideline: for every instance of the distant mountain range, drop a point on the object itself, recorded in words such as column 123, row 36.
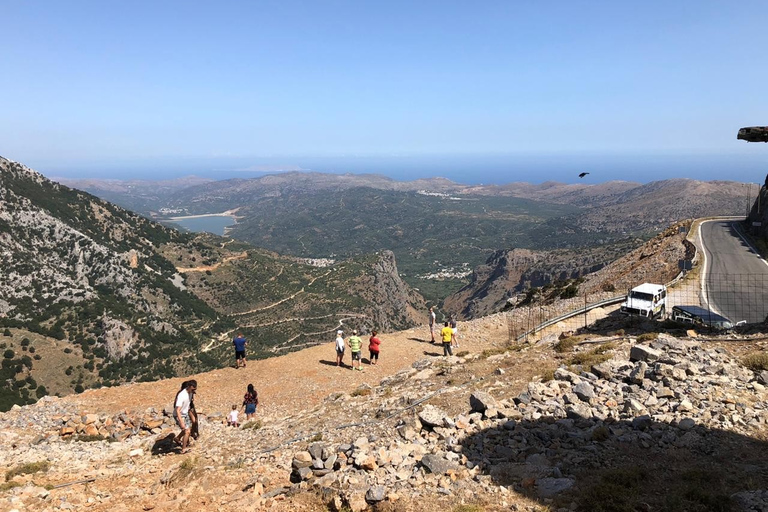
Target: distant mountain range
column 440, row 230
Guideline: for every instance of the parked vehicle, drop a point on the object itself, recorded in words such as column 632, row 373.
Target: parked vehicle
column 648, row 300
column 699, row 316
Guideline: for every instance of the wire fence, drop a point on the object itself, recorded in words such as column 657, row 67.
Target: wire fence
column 719, row 302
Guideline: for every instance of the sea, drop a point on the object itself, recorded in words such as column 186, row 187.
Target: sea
column 748, row 164
column 215, row 224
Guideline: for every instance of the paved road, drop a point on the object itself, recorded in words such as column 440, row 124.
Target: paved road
column 735, row 282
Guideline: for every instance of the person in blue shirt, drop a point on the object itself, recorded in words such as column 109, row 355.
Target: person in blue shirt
column 239, row 342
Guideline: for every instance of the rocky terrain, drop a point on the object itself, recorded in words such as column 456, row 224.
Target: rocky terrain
column 639, row 421
column 508, row 275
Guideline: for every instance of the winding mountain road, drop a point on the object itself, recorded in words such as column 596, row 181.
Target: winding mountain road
column 735, row 278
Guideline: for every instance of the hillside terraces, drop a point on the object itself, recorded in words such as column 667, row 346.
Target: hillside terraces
column 682, row 423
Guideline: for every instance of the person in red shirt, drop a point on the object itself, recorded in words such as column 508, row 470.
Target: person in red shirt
column 373, row 348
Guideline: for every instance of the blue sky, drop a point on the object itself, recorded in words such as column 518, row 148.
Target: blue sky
column 107, row 87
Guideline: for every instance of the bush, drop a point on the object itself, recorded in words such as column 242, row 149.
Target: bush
column 7, row 332
column 565, row 345
column 9, row 354
column 756, row 361
column 648, row 336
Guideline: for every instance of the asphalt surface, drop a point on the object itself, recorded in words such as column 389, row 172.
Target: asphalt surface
column 735, row 281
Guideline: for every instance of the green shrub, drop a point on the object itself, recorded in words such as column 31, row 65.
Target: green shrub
column 648, row 336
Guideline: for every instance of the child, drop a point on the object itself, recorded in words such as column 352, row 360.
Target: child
column 232, row 418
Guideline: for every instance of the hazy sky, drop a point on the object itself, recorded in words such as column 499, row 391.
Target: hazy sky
column 89, row 84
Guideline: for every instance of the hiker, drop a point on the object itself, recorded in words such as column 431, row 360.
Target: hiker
column 339, row 348
column 355, row 346
column 181, row 413
column 232, row 418
column 194, row 432
column 447, row 335
column 250, row 402
column 432, row 323
column 239, row 342
column 373, row 348
column 455, row 329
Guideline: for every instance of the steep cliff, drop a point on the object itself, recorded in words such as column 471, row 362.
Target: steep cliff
column 392, row 304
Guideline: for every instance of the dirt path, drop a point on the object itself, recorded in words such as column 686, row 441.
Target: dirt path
column 289, row 383
column 238, row 256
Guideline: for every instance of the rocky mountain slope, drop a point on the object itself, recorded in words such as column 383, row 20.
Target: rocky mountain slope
column 509, row 275
column 635, row 421
column 84, row 272
column 98, row 295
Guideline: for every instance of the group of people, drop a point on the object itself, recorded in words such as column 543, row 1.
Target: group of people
column 449, row 334
column 184, row 404
column 250, row 403
column 356, row 348
column 186, row 416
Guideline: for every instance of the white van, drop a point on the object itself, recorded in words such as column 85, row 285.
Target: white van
column 648, row 300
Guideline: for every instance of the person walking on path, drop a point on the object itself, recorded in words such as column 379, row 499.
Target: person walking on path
column 356, row 347
column 447, row 335
column 181, row 413
column 455, row 329
column 432, row 323
column 373, row 348
column 250, row 402
column 239, row 342
column 340, row 348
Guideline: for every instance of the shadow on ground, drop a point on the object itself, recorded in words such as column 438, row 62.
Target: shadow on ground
column 165, row 445
column 621, row 466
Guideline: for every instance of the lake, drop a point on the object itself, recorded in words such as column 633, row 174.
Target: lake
column 206, row 223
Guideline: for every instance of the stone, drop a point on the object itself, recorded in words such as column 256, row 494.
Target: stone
column 584, row 391
column 301, row 460
column 376, row 494
column 550, row 487
column 437, row 464
column 643, row 353
column 431, row 416
column 480, row 401
column 686, row 424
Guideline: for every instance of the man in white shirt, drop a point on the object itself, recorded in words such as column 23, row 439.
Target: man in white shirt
column 339, row 348
column 181, row 413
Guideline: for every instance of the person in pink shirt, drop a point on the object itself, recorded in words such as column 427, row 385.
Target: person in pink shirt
column 373, row 348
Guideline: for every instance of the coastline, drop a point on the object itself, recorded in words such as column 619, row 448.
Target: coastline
column 228, row 213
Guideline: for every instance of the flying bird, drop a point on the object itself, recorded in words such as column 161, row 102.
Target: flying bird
column 583, row 174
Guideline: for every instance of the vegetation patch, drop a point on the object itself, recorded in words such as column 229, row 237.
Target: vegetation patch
column 756, row 361
column 595, row 356
column 28, row 469
column 361, row 392
column 252, row 425
column 648, row 336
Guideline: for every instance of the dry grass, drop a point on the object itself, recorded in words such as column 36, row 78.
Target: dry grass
column 27, row 469
column 756, row 361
